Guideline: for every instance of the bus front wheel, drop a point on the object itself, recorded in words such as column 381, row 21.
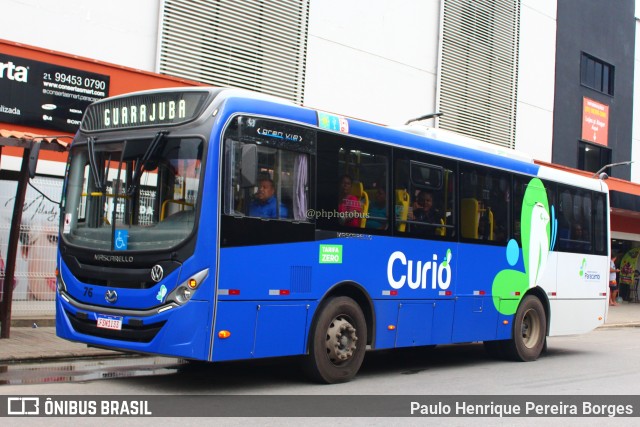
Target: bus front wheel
column 529, row 331
column 338, row 341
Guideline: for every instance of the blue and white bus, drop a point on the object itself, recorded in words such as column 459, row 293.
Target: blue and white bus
column 218, row 224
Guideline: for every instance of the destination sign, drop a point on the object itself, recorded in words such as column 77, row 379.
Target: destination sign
column 142, row 110
column 276, row 134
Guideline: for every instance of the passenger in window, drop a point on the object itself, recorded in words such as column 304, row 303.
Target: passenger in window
column 378, row 211
column 348, row 204
column 423, row 209
column 579, row 239
column 265, row 203
column 577, row 233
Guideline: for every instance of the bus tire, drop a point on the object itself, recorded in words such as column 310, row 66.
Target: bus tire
column 338, row 341
column 529, row 331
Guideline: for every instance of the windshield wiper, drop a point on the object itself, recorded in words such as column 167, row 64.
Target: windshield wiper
column 93, row 165
column 143, row 161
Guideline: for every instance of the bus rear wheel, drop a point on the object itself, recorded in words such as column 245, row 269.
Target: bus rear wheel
column 529, row 331
column 338, row 341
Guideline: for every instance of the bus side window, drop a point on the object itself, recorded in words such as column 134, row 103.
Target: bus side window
column 402, row 209
column 565, row 208
column 600, row 223
column 424, row 196
column 377, row 215
column 469, row 218
column 484, row 210
column 349, row 170
column 357, row 190
column 265, row 182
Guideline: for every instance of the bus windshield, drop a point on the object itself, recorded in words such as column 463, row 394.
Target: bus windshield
column 132, row 195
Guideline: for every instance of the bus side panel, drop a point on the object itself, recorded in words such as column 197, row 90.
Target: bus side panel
column 583, row 276
column 475, row 319
column 187, row 335
column 576, row 316
column 239, row 318
column 549, row 278
column 425, row 323
column 443, row 321
column 281, row 330
column 258, row 329
column 386, row 323
column 415, row 323
column 581, row 300
column 505, row 328
column 476, row 315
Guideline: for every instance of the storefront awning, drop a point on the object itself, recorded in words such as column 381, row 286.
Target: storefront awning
column 623, row 186
column 614, row 184
column 12, row 138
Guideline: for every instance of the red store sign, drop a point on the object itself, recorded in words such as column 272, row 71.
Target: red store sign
column 595, row 121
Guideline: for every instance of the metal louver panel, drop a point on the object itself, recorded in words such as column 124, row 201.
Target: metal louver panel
column 252, row 44
column 479, row 64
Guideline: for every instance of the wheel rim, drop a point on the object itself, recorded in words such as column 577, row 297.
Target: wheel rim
column 341, row 341
column 530, row 328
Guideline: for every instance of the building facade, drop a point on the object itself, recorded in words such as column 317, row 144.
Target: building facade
column 594, row 103
column 485, row 64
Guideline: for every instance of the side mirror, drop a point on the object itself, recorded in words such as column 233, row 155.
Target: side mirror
column 33, row 158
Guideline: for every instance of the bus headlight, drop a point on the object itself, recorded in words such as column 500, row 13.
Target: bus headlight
column 185, row 290
column 183, row 294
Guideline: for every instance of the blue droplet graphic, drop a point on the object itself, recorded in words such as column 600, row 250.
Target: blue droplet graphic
column 513, row 252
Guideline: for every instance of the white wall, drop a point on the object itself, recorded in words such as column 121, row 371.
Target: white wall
column 373, row 59
column 122, row 32
column 536, row 77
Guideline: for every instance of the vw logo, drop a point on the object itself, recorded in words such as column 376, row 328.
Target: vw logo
column 157, row 273
column 111, row 296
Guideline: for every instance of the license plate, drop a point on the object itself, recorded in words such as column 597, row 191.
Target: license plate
column 109, row 322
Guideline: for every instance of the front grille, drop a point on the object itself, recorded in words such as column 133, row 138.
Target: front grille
column 132, row 333
column 128, row 284
column 117, row 276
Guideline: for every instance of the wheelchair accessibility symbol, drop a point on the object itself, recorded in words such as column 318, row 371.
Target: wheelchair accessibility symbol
column 122, row 240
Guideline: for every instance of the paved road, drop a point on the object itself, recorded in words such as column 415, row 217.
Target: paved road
column 602, row 362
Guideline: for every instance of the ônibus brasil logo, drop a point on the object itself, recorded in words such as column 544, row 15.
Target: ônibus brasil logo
column 419, row 274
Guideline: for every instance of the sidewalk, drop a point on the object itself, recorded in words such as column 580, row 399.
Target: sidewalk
column 34, row 339
column 30, row 344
